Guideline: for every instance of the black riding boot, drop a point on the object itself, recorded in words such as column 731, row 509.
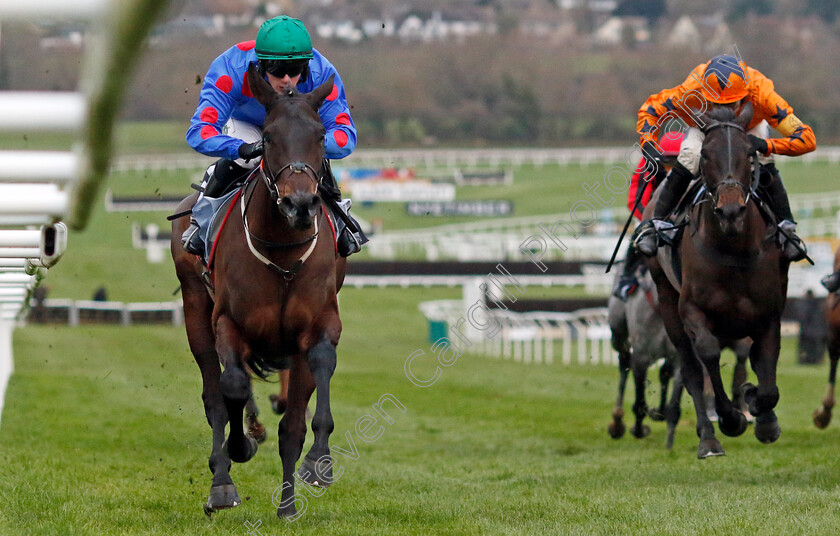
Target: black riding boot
column 350, row 236
column 673, row 189
column 627, row 281
column 217, row 181
column 792, row 246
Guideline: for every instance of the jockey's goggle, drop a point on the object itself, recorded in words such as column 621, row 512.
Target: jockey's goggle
column 282, row 68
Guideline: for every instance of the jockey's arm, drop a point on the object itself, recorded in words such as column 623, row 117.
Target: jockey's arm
column 798, row 138
column 340, row 138
column 215, row 106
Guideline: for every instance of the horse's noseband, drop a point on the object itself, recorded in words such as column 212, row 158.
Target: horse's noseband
column 271, row 179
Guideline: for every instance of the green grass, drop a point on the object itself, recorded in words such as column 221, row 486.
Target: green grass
column 103, row 433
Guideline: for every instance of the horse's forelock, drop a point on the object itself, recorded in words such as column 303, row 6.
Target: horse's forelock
column 721, row 114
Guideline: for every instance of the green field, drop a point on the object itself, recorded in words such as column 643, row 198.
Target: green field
column 103, row 431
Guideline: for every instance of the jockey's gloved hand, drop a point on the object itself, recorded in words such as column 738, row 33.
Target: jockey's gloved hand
column 247, row 151
column 651, row 152
column 758, row 145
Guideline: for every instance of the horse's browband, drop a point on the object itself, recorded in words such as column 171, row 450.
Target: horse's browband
column 728, row 124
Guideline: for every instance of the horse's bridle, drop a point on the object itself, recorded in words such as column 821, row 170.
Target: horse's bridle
column 747, row 192
column 271, row 179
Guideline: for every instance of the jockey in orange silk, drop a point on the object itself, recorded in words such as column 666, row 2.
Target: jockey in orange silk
column 723, row 81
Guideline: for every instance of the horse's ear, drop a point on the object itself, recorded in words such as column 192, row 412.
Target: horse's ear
column 316, row 96
column 746, row 115
column 261, row 89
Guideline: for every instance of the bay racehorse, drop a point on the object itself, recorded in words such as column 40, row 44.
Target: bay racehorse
column 732, row 284
column 822, row 417
column 275, row 276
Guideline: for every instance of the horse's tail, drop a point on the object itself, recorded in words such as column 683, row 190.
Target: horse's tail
column 263, row 367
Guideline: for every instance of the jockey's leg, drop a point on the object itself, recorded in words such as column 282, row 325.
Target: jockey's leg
column 673, row 189
column 220, row 176
column 769, row 179
column 218, row 179
column 676, row 183
column 792, row 246
column 350, row 235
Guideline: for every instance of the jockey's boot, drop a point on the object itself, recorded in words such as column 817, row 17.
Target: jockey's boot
column 350, row 235
column 657, row 230
column 191, row 239
column 831, row 282
column 793, row 248
column 225, row 173
column 220, row 176
column 627, row 281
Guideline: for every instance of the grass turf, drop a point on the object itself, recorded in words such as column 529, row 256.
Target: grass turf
column 104, row 433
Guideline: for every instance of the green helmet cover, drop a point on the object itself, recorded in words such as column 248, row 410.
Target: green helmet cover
column 283, row 38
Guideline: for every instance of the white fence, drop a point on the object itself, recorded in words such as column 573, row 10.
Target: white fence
column 40, row 188
column 455, row 158
column 538, row 337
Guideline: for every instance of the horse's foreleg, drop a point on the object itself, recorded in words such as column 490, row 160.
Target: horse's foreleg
column 822, row 417
column 691, row 372
column 317, row 465
column 197, row 312
column 616, row 428
column 666, row 372
column 640, row 429
column 673, row 409
column 707, row 349
column 764, row 356
column 291, row 433
column 236, row 389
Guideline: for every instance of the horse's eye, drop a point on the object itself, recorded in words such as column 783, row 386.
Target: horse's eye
column 266, row 138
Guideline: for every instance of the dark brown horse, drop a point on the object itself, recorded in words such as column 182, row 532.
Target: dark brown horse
column 639, row 337
column 822, row 417
column 276, row 275
column 733, row 285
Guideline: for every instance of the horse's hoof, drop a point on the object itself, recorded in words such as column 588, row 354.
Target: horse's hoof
column 708, row 448
column 822, row 417
column 221, row 498
column 767, row 429
column 316, row 474
column 735, row 426
column 616, row 429
column 656, row 414
column 278, row 405
column 287, row 512
column 243, row 454
column 640, row 432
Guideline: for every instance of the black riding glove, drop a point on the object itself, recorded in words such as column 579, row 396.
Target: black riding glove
column 651, row 152
column 758, row 145
column 248, row 151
